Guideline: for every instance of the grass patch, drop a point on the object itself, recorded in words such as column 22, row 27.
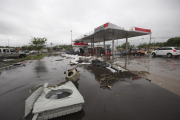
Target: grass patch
column 31, row 57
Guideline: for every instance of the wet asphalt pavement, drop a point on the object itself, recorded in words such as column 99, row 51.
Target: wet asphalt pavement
column 162, row 71
column 131, row 97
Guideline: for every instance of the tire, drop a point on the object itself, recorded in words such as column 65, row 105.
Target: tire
column 169, row 55
column 153, row 54
column 139, row 53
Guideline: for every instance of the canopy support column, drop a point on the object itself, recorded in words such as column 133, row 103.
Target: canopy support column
column 113, row 48
column 104, row 43
column 91, row 43
column 93, row 47
column 126, row 42
column 149, row 42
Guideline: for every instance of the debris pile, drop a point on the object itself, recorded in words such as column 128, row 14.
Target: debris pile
column 107, row 81
column 141, row 72
column 72, row 75
column 19, row 63
column 100, row 63
column 60, row 60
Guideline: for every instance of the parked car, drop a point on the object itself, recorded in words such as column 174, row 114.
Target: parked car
column 26, row 52
column 33, row 52
column 10, row 53
column 166, row 51
column 139, row 51
column 44, row 51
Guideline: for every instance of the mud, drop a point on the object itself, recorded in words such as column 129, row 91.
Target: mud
column 130, row 97
column 105, row 77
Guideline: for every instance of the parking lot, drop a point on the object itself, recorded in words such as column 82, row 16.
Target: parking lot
column 131, row 96
column 162, row 71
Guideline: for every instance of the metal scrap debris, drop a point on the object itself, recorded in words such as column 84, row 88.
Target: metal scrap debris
column 107, row 80
column 72, row 74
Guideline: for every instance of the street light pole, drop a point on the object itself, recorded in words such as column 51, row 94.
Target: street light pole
column 71, row 37
column 142, row 40
column 8, row 42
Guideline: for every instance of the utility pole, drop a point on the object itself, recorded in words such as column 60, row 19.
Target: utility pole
column 8, row 42
column 149, row 42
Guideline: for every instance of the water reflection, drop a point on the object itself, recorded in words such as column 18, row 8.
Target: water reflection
column 127, row 61
column 40, row 67
column 105, row 76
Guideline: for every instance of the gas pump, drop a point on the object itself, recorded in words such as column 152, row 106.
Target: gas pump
column 90, row 51
column 108, row 52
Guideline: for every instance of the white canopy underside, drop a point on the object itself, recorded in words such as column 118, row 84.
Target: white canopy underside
column 110, row 34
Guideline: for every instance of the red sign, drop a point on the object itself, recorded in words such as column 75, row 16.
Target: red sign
column 101, row 27
column 142, row 30
column 105, row 25
column 80, row 43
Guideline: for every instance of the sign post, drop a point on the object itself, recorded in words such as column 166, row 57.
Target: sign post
column 51, row 44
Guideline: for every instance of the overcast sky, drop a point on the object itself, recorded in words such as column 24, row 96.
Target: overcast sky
column 54, row 19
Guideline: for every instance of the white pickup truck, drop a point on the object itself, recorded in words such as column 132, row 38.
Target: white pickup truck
column 10, row 53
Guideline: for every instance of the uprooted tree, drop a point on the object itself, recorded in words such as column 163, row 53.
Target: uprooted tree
column 38, row 43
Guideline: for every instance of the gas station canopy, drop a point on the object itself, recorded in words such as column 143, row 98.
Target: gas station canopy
column 109, row 31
